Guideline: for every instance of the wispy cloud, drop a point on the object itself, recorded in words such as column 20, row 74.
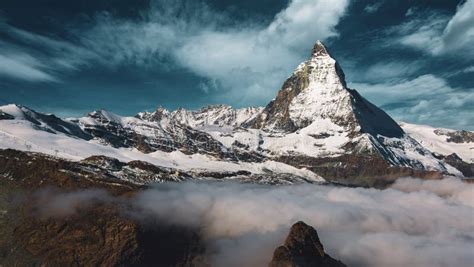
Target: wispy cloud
column 36, row 58
column 374, row 7
column 436, row 33
column 247, row 61
column 23, row 67
column 427, row 99
column 384, row 71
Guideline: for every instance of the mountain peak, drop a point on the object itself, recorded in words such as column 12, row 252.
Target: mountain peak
column 319, row 50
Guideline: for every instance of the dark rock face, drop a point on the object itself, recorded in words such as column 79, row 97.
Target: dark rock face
column 47, row 122
column 467, row 169
column 176, row 137
column 277, row 111
column 361, row 113
column 352, row 170
column 5, row 116
column 302, row 248
column 101, row 236
column 372, row 119
column 102, row 233
column 459, row 136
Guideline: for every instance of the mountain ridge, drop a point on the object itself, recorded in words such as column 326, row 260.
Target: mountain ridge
column 316, row 124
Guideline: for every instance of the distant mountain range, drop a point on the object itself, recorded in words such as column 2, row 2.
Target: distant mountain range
column 315, row 130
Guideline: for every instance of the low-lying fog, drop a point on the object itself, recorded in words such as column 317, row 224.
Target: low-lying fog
column 414, row 223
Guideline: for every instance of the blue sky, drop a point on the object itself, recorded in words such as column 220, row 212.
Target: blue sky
column 415, row 59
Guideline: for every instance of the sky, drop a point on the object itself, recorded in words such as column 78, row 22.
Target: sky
column 413, row 58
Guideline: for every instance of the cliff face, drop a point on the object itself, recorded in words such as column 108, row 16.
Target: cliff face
column 315, row 123
column 38, row 228
column 302, row 248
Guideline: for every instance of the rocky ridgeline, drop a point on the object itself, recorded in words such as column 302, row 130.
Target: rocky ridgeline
column 101, row 232
column 302, row 248
column 315, row 122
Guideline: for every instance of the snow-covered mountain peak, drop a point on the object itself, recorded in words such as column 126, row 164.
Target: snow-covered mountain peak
column 16, row 111
column 105, row 116
column 319, row 50
column 315, row 91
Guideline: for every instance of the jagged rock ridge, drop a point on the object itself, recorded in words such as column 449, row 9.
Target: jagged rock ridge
column 315, row 124
column 302, row 248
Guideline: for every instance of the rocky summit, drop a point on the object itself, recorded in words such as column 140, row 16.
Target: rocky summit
column 302, row 248
column 315, row 130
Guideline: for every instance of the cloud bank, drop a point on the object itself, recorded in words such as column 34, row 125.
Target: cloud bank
column 415, row 223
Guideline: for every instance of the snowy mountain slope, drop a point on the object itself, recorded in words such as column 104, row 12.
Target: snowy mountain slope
column 40, row 121
column 22, row 134
column 443, row 141
column 150, row 135
column 317, row 91
column 217, row 115
column 315, row 126
column 316, row 115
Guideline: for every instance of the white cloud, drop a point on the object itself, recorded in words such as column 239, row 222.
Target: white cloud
column 411, row 11
column 468, row 69
column 459, row 33
column 372, row 8
column 439, row 34
column 422, row 32
column 409, row 225
column 414, row 223
column 248, row 61
column 426, row 99
column 23, row 67
column 386, row 71
column 37, row 58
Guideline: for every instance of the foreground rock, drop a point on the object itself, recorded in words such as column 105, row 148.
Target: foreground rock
column 302, row 248
column 59, row 213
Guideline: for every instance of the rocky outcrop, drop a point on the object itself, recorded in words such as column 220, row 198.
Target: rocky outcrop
column 454, row 160
column 6, row 116
column 35, row 232
column 457, row 136
column 302, row 248
column 315, row 122
column 44, row 122
column 369, row 170
column 317, row 90
column 316, row 102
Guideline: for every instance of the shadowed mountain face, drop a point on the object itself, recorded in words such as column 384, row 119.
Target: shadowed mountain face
column 316, row 128
column 317, row 90
column 302, row 248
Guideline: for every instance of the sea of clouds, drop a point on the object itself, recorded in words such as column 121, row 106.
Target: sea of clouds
column 413, row 223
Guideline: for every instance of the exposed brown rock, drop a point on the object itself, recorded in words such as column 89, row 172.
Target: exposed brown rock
column 302, row 248
column 457, row 136
column 102, row 233
column 369, row 170
column 102, row 236
column 467, row 169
